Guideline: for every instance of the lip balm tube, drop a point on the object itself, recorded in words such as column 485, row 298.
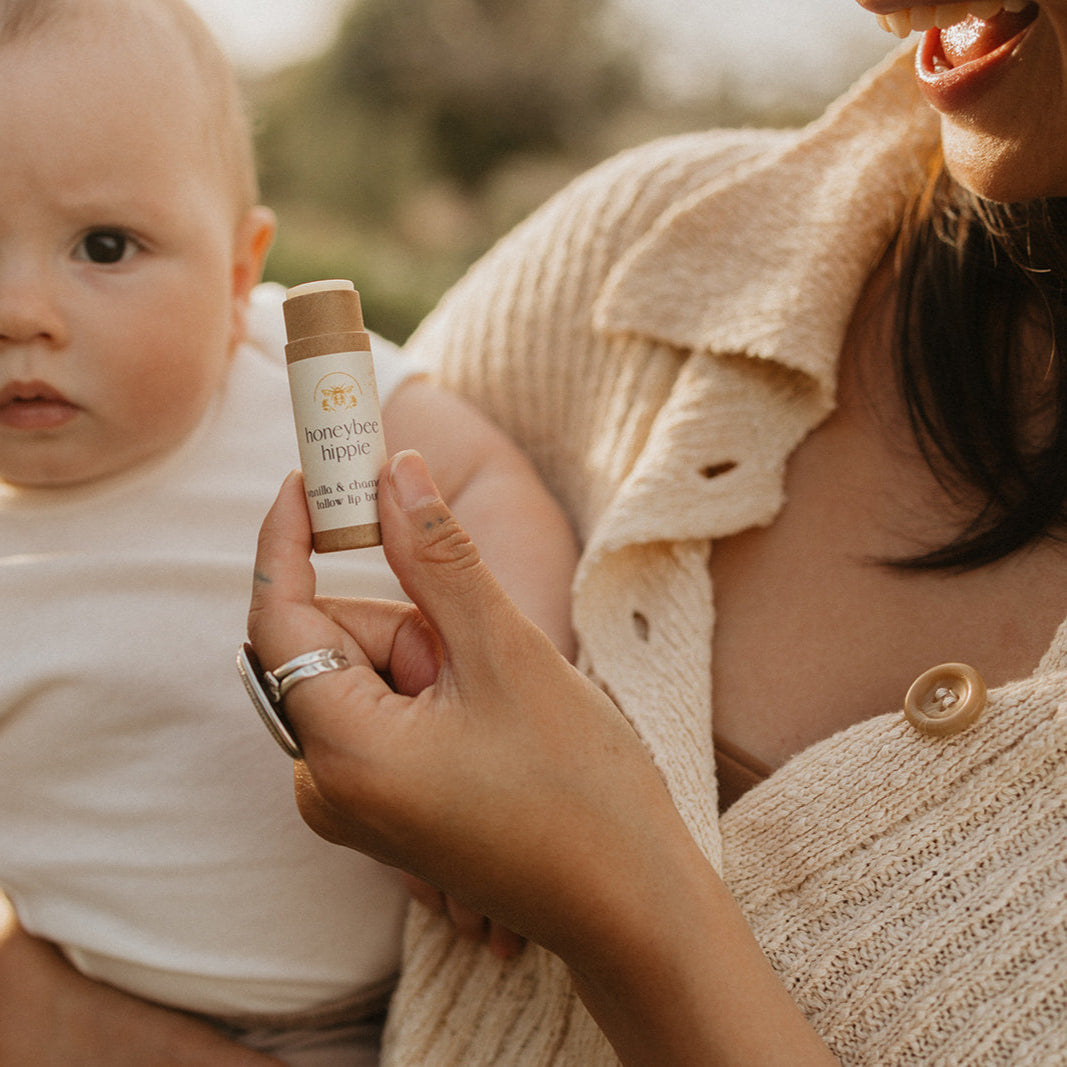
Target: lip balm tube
column 337, row 414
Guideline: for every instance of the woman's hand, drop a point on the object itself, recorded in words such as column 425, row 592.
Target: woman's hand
column 494, row 766
column 494, row 771
column 52, row 1016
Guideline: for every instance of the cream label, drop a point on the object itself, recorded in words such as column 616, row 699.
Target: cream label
column 339, row 432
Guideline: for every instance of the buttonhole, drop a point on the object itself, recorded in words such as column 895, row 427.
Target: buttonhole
column 641, row 626
column 717, row 469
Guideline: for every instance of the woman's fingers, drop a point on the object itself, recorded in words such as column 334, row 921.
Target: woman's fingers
column 432, row 556
column 500, row 941
column 283, row 620
column 395, row 638
column 429, row 896
column 286, row 620
column 441, row 570
column 504, row 943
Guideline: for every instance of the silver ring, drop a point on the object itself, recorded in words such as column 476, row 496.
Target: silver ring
column 282, row 679
column 266, row 688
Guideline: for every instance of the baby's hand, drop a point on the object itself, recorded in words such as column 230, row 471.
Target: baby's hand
column 469, row 924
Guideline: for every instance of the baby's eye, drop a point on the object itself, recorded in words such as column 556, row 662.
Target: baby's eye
column 106, row 246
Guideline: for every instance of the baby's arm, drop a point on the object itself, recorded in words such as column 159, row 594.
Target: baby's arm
column 51, row 1014
column 493, row 489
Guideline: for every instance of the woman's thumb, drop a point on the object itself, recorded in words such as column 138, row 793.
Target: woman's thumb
column 433, row 557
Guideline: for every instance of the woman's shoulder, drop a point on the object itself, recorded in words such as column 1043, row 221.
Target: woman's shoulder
column 618, row 200
column 559, row 256
column 681, row 164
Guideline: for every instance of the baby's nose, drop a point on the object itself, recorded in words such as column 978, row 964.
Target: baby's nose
column 29, row 309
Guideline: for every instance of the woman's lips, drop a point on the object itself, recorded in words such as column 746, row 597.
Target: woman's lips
column 954, row 65
column 34, row 406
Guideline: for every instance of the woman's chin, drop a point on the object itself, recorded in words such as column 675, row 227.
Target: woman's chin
column 1004, row 172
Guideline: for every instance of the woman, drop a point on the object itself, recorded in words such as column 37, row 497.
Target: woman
column 801, row 379
column 816, row 369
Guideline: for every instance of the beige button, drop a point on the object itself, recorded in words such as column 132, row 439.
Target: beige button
column 945, row 700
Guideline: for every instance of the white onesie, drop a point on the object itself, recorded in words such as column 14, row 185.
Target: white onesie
column 147, row 822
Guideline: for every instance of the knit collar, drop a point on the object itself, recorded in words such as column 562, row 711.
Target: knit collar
column 801, row 226
column 756, row 277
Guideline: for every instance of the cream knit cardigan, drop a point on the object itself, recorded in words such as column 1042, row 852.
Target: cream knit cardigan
column 659, row 338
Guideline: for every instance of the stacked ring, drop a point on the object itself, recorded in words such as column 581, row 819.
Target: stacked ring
column 282, row 679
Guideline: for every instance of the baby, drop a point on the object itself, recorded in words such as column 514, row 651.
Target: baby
column 147, row 824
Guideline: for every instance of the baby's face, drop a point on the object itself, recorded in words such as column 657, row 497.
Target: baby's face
column 117, row 259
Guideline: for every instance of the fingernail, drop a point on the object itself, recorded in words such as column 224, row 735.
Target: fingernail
column 411, row 481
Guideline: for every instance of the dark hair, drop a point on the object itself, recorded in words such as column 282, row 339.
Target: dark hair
column 989, row 417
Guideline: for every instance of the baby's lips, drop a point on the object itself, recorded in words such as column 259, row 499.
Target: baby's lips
column 34, row 407
column 28, row 392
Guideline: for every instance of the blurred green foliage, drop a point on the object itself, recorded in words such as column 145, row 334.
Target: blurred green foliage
column 430, row 127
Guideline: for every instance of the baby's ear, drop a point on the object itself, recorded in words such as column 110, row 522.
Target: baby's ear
column 251, row 243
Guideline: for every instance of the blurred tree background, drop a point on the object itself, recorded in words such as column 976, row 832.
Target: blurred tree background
column 430, row 127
